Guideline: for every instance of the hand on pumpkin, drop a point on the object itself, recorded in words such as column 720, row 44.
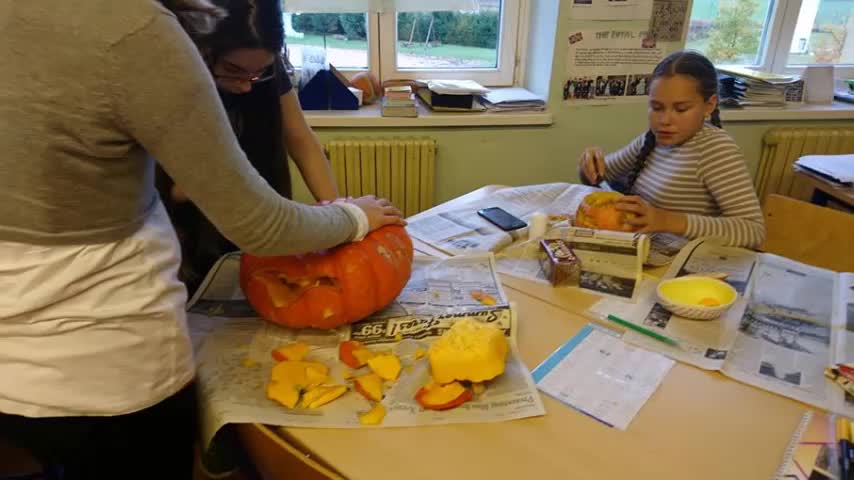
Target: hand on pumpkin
column 380, row 211
column 651, row 219
column 592, row 165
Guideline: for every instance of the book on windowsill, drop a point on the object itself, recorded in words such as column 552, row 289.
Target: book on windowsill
column 400, row 102
column 390, row 110
column 398, row 92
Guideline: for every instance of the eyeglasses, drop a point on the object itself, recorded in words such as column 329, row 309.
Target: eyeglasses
column 266, row 75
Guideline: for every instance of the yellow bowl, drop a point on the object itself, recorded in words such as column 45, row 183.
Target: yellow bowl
column 698, row 298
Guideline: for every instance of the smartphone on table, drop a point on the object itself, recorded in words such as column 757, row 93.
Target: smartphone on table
column 502, row 218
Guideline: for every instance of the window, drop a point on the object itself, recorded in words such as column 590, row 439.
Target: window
column 824, row 33
column 395, row 39
column 342, row 36
column 781, row 36
column 729, row 32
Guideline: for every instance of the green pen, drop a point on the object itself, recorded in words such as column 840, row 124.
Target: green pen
column 643, row 330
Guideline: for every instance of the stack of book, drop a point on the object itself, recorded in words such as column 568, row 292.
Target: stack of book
column 399, row 101
column 745, row 87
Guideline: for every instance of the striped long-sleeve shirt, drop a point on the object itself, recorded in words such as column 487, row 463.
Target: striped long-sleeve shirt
column 706, row 178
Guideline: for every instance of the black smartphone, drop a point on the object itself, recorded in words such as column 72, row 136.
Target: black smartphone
column 502, row 218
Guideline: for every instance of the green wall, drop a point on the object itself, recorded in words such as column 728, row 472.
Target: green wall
column 468, row 158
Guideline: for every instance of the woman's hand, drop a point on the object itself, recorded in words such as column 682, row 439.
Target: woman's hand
column 651, row 219
column 592, row 165
column 380, row 211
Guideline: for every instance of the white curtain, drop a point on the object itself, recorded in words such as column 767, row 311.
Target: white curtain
column 357, row 6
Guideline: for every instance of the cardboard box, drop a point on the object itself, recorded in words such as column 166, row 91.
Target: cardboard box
column 559, row 263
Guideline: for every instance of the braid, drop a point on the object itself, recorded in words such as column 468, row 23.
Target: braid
column 716, row 118
column 646, row 149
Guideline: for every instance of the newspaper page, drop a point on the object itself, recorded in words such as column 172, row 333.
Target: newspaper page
column 611, row 262
column 463, row 231
column 790, row 322
column 703, row 344
column 791, row 330
column 522, row 259
column 663, row 248
column 234, row 362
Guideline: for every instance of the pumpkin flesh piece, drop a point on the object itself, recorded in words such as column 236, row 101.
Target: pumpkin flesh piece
column 374, row 416
column 353, row 354
column 370, row 385
column 283, row 392
column 443, row 397
column 318, row 396
column 294, row 351
column 387, row 366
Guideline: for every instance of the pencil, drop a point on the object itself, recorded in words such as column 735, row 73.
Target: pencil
column 643, row 330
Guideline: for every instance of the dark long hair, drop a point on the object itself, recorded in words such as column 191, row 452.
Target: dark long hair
column 197, row 17
column 257, row 118
column 694, row 65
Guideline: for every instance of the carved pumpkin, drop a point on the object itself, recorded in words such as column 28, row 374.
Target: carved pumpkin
column 329, row 288
column 602, row 213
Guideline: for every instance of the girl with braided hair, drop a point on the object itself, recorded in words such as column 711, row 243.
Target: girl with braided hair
column 685, row 175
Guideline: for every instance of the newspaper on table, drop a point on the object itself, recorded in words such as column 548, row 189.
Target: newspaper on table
column 663, row 248
column 791, row 320
column 233, row 350
column 611, row 262
column 463, row 231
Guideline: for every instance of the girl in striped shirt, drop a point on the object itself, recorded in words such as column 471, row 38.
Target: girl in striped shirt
column 684, row 175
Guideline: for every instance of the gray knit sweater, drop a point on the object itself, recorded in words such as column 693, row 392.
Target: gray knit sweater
column 90, row 91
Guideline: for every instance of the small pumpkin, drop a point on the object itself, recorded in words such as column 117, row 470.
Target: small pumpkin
column 333, row 287
column 602, row 214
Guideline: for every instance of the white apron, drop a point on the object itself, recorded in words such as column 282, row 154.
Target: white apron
column 93, row 329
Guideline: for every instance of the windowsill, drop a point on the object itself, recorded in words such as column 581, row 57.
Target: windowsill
column 835, row 111
column 371, row 116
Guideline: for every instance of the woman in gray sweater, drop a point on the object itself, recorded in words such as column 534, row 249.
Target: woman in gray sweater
column 95, row 362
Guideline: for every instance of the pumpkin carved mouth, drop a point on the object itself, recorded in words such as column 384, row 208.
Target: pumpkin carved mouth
column 283, row 291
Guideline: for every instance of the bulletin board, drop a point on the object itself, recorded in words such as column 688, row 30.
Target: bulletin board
column 612, row 46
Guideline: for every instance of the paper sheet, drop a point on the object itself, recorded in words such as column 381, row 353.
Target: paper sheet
column 598, row 374
column 607, row 65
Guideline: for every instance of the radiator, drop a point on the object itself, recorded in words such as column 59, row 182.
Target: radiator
column 400, row 169
column 782, row 146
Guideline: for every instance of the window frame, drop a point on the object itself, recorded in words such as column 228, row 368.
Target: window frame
column 504, row 75
column 381, row 32
column 774, row 47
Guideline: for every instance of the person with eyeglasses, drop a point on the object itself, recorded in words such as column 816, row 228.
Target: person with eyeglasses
column 245, row 57
column 96, row 365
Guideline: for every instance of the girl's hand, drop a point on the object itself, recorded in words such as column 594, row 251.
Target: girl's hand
column 592, row 165
column 651, row 219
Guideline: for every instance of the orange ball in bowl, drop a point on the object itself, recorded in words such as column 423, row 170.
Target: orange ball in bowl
column 369, row 85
